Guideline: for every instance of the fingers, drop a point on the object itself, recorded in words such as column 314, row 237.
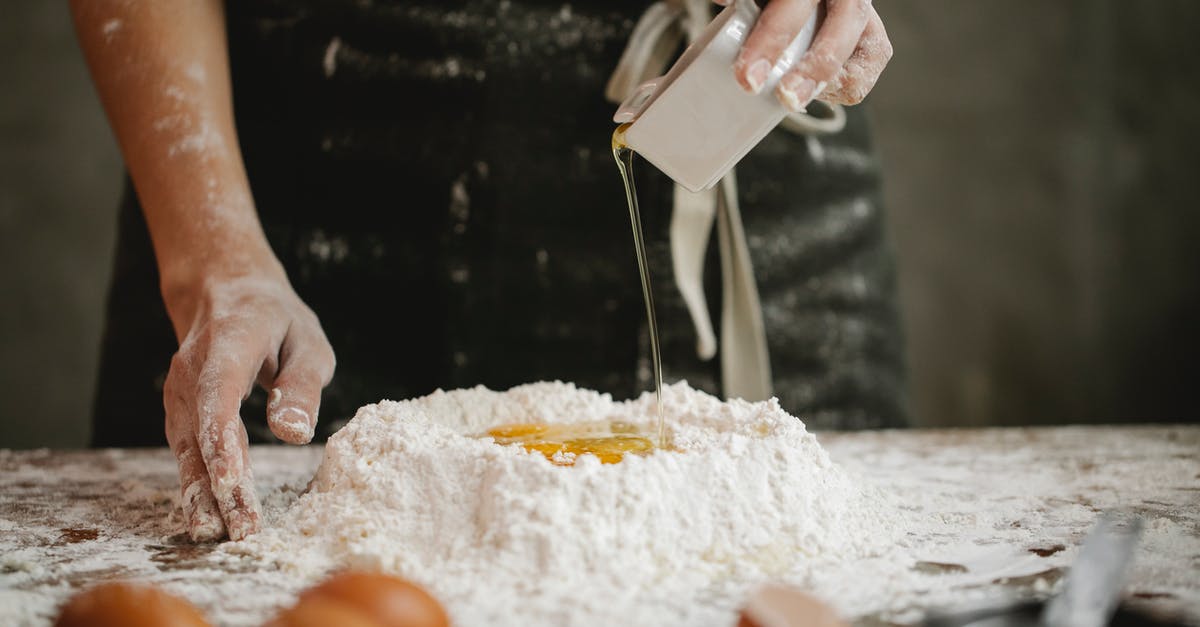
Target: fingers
column 778, row 25
column 862, row 71
column 200, row 512
column 306, row 365
column 244, row 330
column 835, row 41
column 228, row 371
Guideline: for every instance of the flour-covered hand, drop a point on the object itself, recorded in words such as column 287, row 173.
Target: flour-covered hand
column 235, row 315
column 848, row 53
column 234, row 332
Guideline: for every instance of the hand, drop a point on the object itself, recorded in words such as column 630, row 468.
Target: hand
column 848, row 53
column 235, row 315
column 237, row 330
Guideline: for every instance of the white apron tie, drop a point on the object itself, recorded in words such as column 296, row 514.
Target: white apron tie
column 745, row 361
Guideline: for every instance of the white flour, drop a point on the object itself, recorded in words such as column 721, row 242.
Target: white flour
column 503, row 536
column 985, row 515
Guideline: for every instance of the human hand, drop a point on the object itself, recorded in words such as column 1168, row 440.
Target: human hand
column 235, row 315
column 848, row 53
column 237, row 329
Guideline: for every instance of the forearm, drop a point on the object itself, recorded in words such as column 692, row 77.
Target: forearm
column 162, row 72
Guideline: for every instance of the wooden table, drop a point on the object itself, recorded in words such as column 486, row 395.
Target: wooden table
column 72, row 518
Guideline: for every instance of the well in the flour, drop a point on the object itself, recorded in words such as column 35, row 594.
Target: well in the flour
column 562, row 444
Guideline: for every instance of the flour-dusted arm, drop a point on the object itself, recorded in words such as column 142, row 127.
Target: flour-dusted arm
column 162, row 72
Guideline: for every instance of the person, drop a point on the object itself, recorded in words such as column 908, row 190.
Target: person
column 424, row 188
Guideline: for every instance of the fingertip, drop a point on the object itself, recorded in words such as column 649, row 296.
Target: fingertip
column 796, row 92
column 202, row 517
column 775, row 30
column 292, row 425
column 243, row 518
column 227, row 457
column 201, row 514
column 207, row 529
column 306, row 366
column 754, row 77
column 288, row 417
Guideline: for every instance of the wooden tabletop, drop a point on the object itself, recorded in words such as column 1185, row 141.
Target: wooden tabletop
column 72, row 518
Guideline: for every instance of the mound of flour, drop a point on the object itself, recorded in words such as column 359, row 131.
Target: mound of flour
column 504, row 537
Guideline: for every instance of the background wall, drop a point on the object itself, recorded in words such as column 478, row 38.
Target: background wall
column 60, row 175
column 1041, row 162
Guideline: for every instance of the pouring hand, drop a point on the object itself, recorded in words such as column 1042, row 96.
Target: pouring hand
column 848, row 53
column 238, row 331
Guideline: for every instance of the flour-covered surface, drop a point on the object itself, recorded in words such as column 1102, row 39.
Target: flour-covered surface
column 505, row 537
column 965, row 516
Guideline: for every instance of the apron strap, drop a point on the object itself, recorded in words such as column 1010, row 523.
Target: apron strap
column 691, row 225
column 745, row 360
column 651, row 45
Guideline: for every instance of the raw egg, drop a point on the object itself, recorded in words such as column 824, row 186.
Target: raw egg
column 389, row 601
column 128, row 605
column 323, row 612
column 562, row 444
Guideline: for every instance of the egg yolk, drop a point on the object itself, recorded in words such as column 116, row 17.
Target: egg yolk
column 562, row 444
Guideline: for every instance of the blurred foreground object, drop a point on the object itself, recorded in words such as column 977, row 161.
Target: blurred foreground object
column 1090, row 594
column 128, row 605
column 782, row 606
column 366, row 599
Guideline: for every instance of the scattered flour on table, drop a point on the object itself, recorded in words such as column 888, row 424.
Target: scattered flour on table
column 1002, row 510
column 503, row 536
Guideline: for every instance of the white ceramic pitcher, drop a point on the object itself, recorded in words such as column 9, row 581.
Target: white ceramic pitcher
column 696, row 122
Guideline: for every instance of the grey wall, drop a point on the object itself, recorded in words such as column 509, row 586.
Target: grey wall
column 59, row 182
column 1041, row 179
column 1041, row 163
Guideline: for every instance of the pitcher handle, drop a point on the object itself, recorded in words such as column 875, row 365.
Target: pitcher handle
column 637, row 101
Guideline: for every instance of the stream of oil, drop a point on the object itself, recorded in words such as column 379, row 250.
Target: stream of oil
column 624, row 157
column 609, row 441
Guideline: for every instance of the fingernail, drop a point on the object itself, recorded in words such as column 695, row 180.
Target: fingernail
column 240, row 525
column 293, row 425
column 206, row 529
column 243, row 518
column 201, row 514
column 796, row 92
column 756, row 75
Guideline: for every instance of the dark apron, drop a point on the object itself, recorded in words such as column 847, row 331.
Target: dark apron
column 436, row 179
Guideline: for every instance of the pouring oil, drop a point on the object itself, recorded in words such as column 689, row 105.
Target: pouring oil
column 609, row 441
column 624, row 157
